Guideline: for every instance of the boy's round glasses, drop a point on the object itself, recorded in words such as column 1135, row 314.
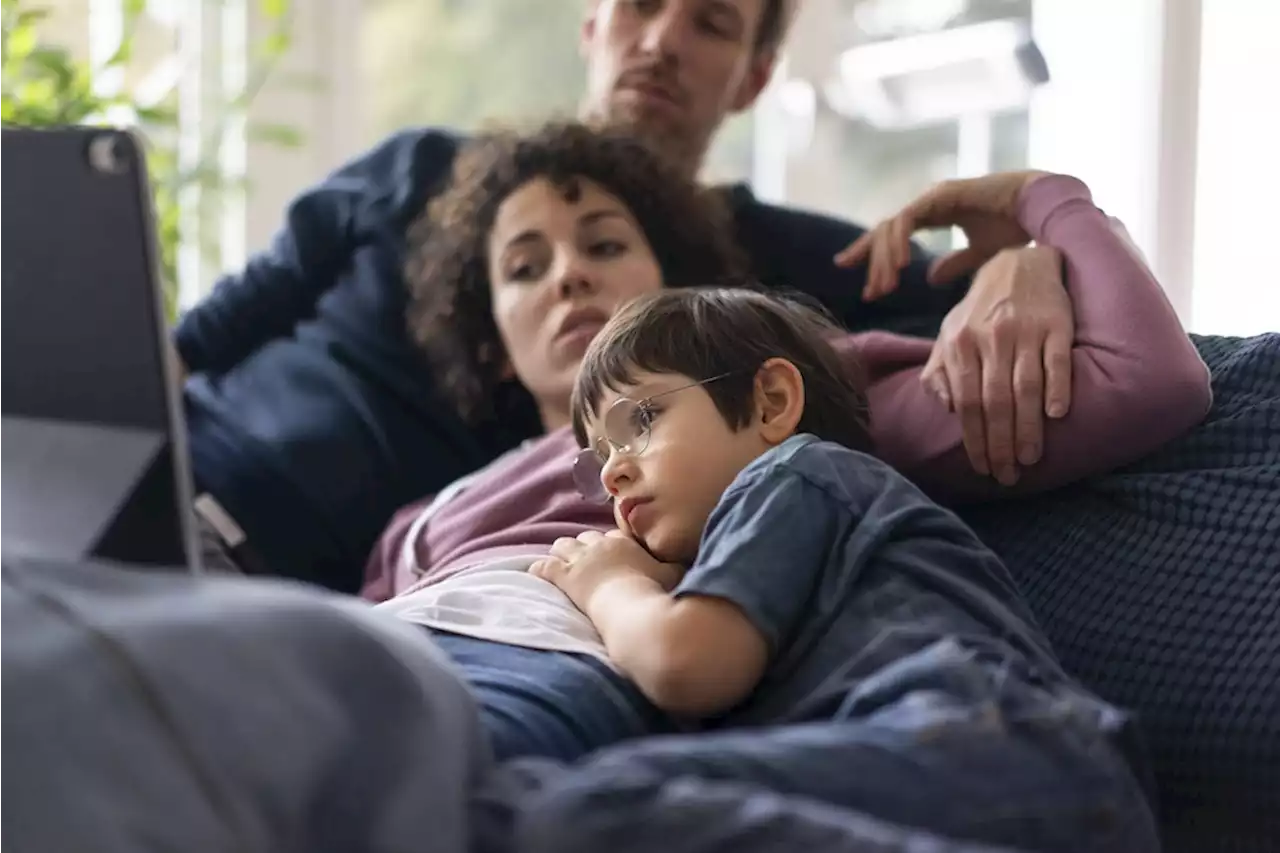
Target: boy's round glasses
column 627, row 425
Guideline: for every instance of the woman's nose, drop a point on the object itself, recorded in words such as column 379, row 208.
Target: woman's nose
column 574, row 282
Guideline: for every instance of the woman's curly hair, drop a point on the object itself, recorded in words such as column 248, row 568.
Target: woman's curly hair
column 447, row 271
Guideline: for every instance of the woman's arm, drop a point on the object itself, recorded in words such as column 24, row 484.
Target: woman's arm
column 1137, row 381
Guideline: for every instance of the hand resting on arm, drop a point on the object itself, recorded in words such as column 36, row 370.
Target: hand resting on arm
column 693, row 656
column 1137, row 380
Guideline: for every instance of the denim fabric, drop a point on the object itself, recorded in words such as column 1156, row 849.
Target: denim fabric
column 551, row 704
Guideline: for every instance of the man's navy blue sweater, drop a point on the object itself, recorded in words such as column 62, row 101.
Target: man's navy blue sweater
column 313, row 418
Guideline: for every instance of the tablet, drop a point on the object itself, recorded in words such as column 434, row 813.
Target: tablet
column 94, row 451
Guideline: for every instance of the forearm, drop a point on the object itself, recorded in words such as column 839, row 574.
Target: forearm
column 1137, row 379
column 324, row 226
column 669, row 647
column 632, row 614
column 247, row 309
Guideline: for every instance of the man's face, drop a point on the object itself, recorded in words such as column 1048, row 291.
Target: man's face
column 673, row 69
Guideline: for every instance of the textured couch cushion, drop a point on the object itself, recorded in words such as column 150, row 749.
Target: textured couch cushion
column 1159, row 586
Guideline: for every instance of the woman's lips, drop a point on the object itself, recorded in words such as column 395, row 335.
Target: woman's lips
column 579, row 336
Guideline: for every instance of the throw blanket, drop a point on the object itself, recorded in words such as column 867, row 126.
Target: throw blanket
column 1159, row 586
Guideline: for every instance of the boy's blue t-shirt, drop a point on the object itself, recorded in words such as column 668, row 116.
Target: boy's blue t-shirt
column 846, row 567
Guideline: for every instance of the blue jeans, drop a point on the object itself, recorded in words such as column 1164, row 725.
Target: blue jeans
column 551, row 704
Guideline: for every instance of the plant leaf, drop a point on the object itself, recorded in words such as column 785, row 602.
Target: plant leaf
column 30, row 17
column 19, row 42
column 160, row 114
column 274, row 9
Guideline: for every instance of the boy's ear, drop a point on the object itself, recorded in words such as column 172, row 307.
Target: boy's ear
column 779, row 399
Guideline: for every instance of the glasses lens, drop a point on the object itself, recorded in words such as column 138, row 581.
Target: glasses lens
column 586, row 475
column 627, row 426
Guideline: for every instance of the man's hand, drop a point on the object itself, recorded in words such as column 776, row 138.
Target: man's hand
column 1002, row 359
column 985, row 209
column 581, row 566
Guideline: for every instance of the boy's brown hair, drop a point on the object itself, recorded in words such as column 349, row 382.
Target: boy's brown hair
column 706, row 333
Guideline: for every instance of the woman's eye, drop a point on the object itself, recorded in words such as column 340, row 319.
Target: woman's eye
column 522, row 272
column 608, row 248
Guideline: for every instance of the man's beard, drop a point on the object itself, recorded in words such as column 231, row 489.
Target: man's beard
column 669, row 140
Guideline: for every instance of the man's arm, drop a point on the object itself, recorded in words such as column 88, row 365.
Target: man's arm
column 794, row 250
column 281, row 285
column 1138, row 381
column 703, row 649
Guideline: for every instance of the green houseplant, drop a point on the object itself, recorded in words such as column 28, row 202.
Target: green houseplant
column 44, row 84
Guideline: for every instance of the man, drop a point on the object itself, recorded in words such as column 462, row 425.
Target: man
column 312, row 418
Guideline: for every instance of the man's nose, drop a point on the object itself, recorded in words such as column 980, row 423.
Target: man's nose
column 666, row 32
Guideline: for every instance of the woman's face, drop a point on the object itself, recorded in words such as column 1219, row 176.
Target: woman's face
column 562, row 260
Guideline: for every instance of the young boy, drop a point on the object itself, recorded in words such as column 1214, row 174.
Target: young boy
column 821, row 588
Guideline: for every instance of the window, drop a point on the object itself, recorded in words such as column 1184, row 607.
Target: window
column 905, row 94
column 1236, row 290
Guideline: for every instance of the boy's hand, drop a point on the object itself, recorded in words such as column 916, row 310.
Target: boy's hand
column 694, row 656
column 580, row 566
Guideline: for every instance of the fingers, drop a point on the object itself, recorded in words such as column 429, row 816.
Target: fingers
column 855, row 253
column 548, row 568
column 1057, row 374
column 934, row 378
column 879, row 269
column 566, row 548
column 1028, row 402
column 998, row 405
column 953, row 265
column 900, row 230
column 964, row 375
column 890, row 251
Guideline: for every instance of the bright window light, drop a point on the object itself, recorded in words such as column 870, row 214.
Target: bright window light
column 1238, row 172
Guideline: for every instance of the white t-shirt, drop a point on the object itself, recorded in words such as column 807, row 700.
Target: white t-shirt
column 498, row 600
